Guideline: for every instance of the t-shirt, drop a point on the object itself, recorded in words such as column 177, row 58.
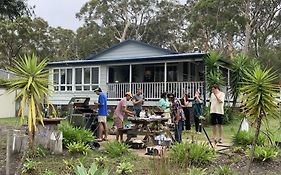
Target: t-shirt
column 216, row 106
column 164, row 104
column 137, row 98
column 118, row 111
column 102, row 100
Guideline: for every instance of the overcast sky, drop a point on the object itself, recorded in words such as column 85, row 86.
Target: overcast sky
column 60, row 12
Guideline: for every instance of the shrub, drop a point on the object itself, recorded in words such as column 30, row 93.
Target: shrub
column 38, row 151
column 116, row 148
column 29, row 166
column 125, row 168
column 78, row 147
column 72, row 134
column 224, row 170
column 197, row 171
column 192, row 153
column 101, row 162
column 264, row 153
column 244, row 138
column 81, row 170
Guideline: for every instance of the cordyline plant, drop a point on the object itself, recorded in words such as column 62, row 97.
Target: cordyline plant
column 31, row 79
column 258, row 102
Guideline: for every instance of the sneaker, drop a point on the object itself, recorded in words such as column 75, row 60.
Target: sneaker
column 220, row 141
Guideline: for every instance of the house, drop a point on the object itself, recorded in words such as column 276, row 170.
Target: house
column 7, row 100
column 127, row 66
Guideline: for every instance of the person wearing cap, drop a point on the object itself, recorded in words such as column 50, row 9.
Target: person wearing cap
column 138, row 101
column 102, row 114
column 120, row 112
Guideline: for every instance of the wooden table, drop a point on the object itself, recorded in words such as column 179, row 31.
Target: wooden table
column 149, row 127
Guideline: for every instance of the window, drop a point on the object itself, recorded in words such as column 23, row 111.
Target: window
column 77, row 79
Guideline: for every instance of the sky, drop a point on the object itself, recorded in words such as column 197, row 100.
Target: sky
column 59, row 12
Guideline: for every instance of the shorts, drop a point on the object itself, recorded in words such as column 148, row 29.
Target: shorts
column 102, row 119
column 118, row 123
column 216, row 119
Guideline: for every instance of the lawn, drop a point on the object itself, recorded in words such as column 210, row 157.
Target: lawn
column 50, row 164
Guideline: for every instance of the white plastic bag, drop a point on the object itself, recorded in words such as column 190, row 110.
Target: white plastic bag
column 245, row 125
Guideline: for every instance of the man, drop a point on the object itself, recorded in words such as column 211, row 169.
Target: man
column 217, row 111
column 102, row 113
column 120, row 112
column 138, row 101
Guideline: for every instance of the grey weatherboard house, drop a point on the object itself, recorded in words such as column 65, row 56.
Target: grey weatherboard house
column 127, row 66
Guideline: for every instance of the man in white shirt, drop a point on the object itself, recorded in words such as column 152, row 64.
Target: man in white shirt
column 217, row 111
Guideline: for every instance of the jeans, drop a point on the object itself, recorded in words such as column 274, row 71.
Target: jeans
column 137, row 111
column 178, row 130
column 187, row 119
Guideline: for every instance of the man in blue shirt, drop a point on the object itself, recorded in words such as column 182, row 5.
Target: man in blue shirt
column 102, row 113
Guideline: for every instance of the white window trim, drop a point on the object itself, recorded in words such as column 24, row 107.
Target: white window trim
column 73, row 84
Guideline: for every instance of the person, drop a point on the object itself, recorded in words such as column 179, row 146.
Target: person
column 119, row 114
column 138, row 101
column 185, row 102
column 164, row 106
column 102, row 114
column 197, row 111
column 177, row 116
column 217, row 112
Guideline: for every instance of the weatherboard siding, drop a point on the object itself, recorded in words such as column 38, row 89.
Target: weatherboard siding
column 132, row 50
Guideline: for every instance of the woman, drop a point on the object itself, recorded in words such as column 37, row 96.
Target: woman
column 120, row 112
column 177, row 116
column 164, row 106
column 185, row 103
column 197, row 111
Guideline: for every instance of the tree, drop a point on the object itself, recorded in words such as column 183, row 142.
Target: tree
column 13, row 8
column 258, row 100
column 213, row 72
column 31, row 79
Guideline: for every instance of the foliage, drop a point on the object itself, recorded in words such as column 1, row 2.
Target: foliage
column 81, row 170
column 70, row 164
column 224, row 170
column 38, row 151
column 197, row 171
column 258, row 102
column 115, row 148
column 78, row 147
column 31, row 78
column 213, row 73
column 29, row 166
column 73, row 134
column 191, row 153
column 244, row 138
column 124, row 168
column 13, row 8
column 48, row 172
column 265, row 153
column 101, row 161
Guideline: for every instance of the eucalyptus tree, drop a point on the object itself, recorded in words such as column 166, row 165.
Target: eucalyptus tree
column 258, row 100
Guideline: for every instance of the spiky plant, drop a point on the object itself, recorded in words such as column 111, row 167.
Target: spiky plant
column 258, row 101
column 31, row 79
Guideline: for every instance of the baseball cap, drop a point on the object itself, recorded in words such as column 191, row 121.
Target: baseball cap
column 98, row 89
column 129, row 94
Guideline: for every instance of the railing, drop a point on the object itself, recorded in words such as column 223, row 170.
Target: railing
column 153, row 90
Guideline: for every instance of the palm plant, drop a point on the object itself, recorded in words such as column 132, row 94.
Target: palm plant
column 31, row 79
column 258, row 100
column 213, row 72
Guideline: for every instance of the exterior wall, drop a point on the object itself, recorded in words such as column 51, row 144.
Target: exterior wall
column 132, row 50
column 8, row 104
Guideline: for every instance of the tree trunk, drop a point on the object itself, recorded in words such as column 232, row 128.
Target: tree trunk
column 254, row 145
column 247, row 28
column 31, row 135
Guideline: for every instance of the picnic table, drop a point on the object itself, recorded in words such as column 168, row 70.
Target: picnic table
column 149, row 128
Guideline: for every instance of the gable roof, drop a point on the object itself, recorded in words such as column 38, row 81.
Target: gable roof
column 129, row 49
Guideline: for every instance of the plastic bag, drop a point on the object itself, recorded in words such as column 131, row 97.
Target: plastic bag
column 245, row 125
